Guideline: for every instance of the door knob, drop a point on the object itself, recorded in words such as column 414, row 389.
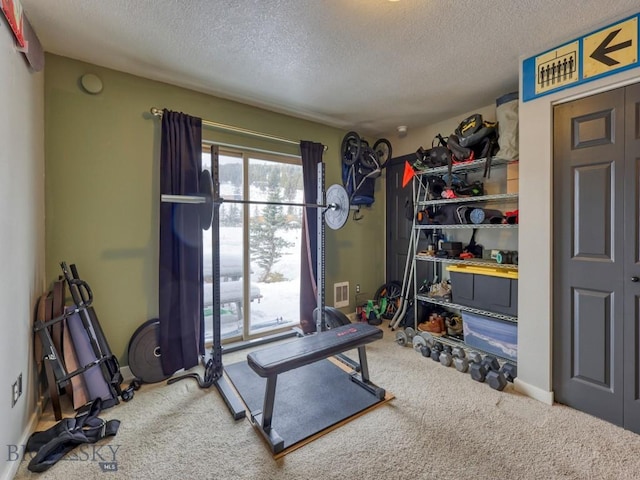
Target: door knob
column 635, row 279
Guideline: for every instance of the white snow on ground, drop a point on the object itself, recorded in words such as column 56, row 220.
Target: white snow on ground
column 279, row 305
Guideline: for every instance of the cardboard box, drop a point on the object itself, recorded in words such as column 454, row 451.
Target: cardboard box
column 485, row 288
column 491, row 335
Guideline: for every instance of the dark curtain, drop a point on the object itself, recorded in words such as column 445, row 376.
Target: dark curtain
column 180, row 267
column 311, row 154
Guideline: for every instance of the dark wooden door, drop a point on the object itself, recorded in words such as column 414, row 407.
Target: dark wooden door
column 632, row 260
column 596, row 252
column 398, row 226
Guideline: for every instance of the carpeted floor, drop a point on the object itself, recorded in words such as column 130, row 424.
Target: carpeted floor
column 441, row 425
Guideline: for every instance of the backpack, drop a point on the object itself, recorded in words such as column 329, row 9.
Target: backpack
column 478, row 135
column 436, row 156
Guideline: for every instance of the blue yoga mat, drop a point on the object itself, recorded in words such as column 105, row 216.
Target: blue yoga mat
column 97, row 386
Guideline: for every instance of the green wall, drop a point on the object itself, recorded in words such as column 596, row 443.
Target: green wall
column 102, row 188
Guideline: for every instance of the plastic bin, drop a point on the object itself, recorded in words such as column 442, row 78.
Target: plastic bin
column 491, row 335
column 485, row 288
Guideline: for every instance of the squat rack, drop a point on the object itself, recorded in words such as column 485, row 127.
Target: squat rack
column 334, row 212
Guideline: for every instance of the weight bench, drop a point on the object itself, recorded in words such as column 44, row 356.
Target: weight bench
column 270, row 362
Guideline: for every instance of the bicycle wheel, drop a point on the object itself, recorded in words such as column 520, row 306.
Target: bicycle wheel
column 392, row 291
column 382, row 148
column 369, row 159
column 350, row 148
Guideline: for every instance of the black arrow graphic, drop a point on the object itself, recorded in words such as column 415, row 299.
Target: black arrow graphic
column 600, row 53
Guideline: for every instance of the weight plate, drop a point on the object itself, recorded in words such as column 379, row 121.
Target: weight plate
column 401, row 339
column 205, row 188
column 144, row 353
column 333, row 318
column 410, row 332
column 337, row 211
column 418, row 343
column 428, row 338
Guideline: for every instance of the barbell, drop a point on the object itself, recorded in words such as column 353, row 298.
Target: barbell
column 336, row 203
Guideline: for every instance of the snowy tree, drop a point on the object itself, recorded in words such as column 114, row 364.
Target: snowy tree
column 266, row 246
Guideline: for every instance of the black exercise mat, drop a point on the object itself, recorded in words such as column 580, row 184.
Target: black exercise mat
column 308, row 399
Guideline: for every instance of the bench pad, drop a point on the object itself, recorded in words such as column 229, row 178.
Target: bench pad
column 309, row 349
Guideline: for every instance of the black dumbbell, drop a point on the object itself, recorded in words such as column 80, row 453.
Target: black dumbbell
column 425, row 351
column 478, row 371
column 446, row 358
column 458, row 352
column 491, row 363
column 447, row 348
column 496, row 380
column 461, row 364
column 510, row 371
column 459, row 359
column 435, row 352
column 474, row 357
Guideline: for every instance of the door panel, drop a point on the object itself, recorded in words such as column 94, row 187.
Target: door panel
column 632, row 260
column 588, row 261
column 397, row 225
column 591, row 327
column 593, row 218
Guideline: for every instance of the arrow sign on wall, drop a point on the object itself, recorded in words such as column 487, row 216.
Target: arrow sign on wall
column 611, row 48
column 600, row 54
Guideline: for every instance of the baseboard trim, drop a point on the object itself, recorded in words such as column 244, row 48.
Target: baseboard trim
column 533, row 392
column 29, row 429
column 125, row 371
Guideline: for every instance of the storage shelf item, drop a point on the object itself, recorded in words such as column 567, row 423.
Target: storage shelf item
column 472, row 166
column 477, row 262
column 457, row 306
column 485, row 288
column 456, row 342
column 491, row 335
column 499, row 226
column 477, row 199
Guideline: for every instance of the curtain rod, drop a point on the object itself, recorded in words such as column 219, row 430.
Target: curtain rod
column 221, row 126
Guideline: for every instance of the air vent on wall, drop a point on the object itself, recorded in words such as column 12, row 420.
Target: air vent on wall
column 341, row 294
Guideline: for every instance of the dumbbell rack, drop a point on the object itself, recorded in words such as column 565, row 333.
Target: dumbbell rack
column 421, row 201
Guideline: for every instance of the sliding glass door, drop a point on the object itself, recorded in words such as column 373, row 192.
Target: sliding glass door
column 259, row 245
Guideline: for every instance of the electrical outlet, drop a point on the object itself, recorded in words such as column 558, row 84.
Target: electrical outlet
column 14, row 394
column 16, row 390
column 357, row 288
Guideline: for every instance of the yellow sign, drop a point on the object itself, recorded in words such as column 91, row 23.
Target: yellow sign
column 557, row 68
column 611, row 48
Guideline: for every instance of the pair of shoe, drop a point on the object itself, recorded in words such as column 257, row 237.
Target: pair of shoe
column 438, row 325
column 434, row 325
column 454, row 325
column 440, row 290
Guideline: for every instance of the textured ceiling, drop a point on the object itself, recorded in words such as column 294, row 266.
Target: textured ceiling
column 368, row 65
